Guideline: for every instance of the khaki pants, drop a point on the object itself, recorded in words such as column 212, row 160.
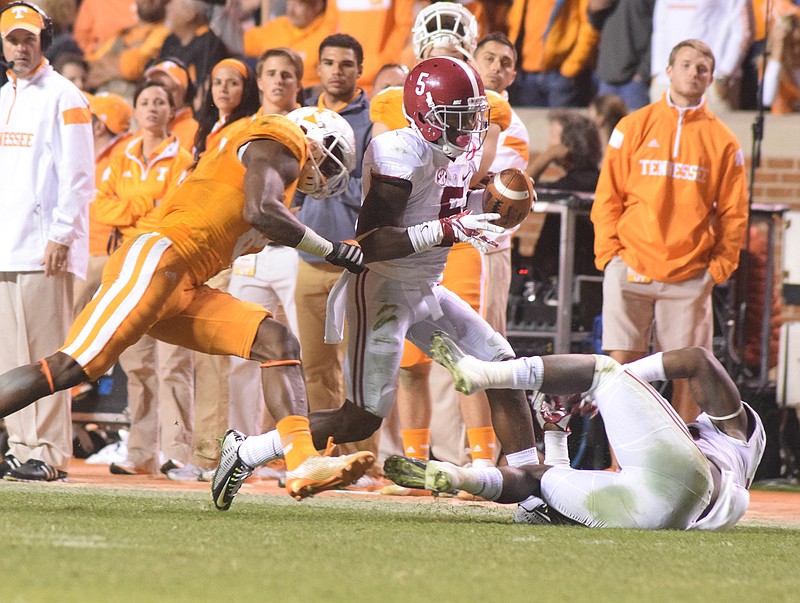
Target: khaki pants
column 211, row 396
column 35, row 314
column 323, row 363
column 160, row 402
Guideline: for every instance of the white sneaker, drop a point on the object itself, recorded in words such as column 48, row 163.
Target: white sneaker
column 467, row 371
column 187, row 473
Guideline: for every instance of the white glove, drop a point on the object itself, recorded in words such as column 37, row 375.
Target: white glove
column 469, row 228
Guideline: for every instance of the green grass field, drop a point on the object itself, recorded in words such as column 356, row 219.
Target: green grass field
column 92, row 544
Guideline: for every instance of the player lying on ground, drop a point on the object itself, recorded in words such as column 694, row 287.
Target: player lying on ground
column 673, row 476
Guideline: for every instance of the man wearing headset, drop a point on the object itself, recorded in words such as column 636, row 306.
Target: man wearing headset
column 47, row 171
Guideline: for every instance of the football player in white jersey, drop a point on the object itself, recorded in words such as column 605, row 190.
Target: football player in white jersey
column 672, row 476
column 417, row 203
column 416, row 185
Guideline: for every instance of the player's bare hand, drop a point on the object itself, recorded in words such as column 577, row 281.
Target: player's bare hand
column 348, row 255
column 55, row 258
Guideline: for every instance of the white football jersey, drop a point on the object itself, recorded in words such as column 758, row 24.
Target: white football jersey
column 737, row 461
column 439, row 188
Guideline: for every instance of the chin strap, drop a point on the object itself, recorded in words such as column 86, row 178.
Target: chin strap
column 48, row 375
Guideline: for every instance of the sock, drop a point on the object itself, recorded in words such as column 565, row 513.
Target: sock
column 528, row 373
column 481, row 445
column 556, row 452
column 486, row 482
column 529, row 456
column 296, row 440
column 416, row 443
column 259, row 450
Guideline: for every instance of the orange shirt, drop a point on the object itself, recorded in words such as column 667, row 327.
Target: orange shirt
column 280, row 32
column 130, row 190
column 565, row 42
column 184, row 126
column 203, row 217
column 381, row 26
column 101, row 20
column 99, row 233
column 671, row 200
column 136, row 46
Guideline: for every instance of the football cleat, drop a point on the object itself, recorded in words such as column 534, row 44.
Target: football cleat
column 466, row 371
column 422, row 475
column 536, row 512
column 320, row 473
column 231, row 471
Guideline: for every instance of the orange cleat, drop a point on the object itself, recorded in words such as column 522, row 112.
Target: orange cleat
column 320, row 473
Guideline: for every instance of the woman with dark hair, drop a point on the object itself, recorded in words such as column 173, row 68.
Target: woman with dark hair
column 574, row 150
column 606, row 110
column 233, row 94
column 574, row 147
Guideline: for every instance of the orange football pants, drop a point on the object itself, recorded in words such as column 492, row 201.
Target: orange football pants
column 147, row 289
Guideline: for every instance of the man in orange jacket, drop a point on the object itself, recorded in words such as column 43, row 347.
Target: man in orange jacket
column 670, row 215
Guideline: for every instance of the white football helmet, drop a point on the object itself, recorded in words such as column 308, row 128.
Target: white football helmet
column 445, row 24
column 332, row 151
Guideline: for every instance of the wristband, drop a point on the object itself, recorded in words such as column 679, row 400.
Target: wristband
column 314, row 244
column 726, row 417
column 425, row 236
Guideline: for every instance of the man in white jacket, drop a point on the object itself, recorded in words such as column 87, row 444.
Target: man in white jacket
column 47, row 171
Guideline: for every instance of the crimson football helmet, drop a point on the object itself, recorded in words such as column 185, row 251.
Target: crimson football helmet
column 444, row 99
column 332, row 151
column 445, row 24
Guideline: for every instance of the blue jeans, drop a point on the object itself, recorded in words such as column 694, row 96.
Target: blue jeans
column 548, row 89
column 635, row 94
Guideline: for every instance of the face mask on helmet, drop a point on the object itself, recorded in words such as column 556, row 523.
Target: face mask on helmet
column 444, row 99
column 445, row 25
column 460, row 128
column 331, row 156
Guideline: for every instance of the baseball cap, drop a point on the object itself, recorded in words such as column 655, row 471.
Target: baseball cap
column 21, row 17
column 112, row 110
column 171, row 69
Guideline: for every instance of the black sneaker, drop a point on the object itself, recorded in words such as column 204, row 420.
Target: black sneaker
column 9, row 462
column 35, row 470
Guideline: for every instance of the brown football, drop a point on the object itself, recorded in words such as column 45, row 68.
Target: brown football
column 509, row 193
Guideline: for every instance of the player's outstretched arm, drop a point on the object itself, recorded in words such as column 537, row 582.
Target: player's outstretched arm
column 711, row 386
column 270, row 168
